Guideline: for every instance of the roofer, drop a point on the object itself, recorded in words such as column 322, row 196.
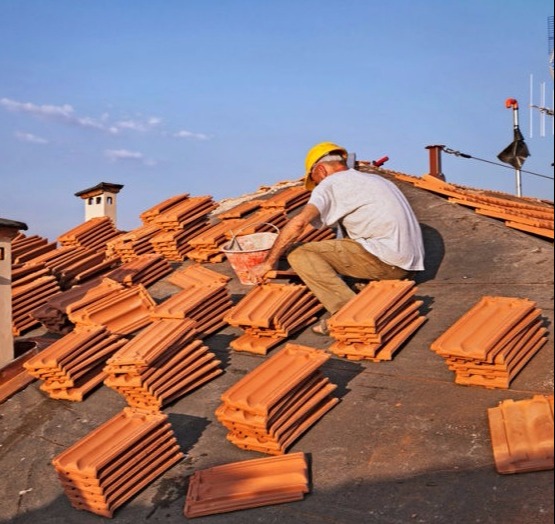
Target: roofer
column 379, row 236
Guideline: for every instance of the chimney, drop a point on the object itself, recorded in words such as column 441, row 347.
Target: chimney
column 9, row 229
column 100, row 200
column 435, row 161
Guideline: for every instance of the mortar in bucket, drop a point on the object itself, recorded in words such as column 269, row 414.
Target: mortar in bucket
column 247, row 251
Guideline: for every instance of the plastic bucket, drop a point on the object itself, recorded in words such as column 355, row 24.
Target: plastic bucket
column 245, row 252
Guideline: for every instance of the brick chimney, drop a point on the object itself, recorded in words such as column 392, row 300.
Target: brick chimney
column 9, row 229
column 100, row 200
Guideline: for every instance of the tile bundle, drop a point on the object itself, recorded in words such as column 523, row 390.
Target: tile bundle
column 116, row 460
column 160, row 364
column 375, row 323
column 204, row 298
column 270, row 313
column 247, row 484
column 491, row 343
column 72, row 366
column 268, row 409
column 522, row 434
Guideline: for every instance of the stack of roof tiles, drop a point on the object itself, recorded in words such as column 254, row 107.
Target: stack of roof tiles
column 115, row 461
column 160, row 364
column 247, row 217
column 31, row 287
column 492, row 342
column 206, row 247
column 25, row 248
column 522, row 434
column 262, row 220
column 376, row 322
column 144, row 269
column 169, row 225
column 197, row 275
column 53, row 314
column 133, row 244
column 181, row 223
column 123, row 311
column 270, row 313
column 247, row 484
column 288, row 199
column 92, row 234
column 241, row 210
column 72, row 366
column 204, row 299
column 268, row 409
column 526, row 214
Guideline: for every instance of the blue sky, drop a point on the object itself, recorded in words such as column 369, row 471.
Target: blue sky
column 220, row 97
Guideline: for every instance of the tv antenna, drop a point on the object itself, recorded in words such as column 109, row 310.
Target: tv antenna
column 543, row 108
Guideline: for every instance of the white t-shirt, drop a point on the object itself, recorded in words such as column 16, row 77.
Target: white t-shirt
column 374, row 213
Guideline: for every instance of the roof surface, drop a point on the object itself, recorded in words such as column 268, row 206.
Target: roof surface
column 405, row 443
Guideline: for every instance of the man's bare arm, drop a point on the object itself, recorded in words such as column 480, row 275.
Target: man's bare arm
column 287, row 236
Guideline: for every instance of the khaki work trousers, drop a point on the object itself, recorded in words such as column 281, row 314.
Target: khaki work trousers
column 321, row 264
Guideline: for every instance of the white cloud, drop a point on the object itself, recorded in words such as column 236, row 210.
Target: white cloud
column 29, row 137
column 189, row 134
column 66, row 114
column 138, row 125
column 115, row 155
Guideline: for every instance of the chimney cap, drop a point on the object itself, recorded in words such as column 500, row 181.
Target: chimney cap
column 4, row 222
column 103, row 186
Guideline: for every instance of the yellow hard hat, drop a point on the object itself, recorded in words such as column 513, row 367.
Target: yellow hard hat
column 314, row 154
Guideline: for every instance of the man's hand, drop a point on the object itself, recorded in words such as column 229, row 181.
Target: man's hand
column 259, row 271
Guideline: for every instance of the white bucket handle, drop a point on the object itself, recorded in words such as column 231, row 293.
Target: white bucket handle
column 233, row 242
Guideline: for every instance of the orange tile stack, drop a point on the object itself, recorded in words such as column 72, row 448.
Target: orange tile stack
column 144, row 269
column 151, row 214
column 522, row 434
column 196, row 275
column 123, row 312
column 288, row 199
column 374, row 324
column 260, row 221
column 270, row 313
column 206, row 246
column 492, row 342
column 268, row 409
column 30, row 289
column 174, row 245
column 72, row 366
column 247, row 484
column 204, row 298
column 526, row 214
column 160, row 364
column 241, row 210
column 54, row 313
column 115, row 461
column 178, row 220
column 92, row 234
column 133, row 244
column 206, row 305
column 189, row 212
column 25, row 248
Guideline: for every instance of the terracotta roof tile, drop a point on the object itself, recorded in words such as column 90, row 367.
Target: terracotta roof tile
column 72, row 366
column 283, row 397
column 271, row 312
column 247, row 484
column 492, row 342
column 112, row 463
column 124, row 312
column 522, row 434
column 376, row 322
